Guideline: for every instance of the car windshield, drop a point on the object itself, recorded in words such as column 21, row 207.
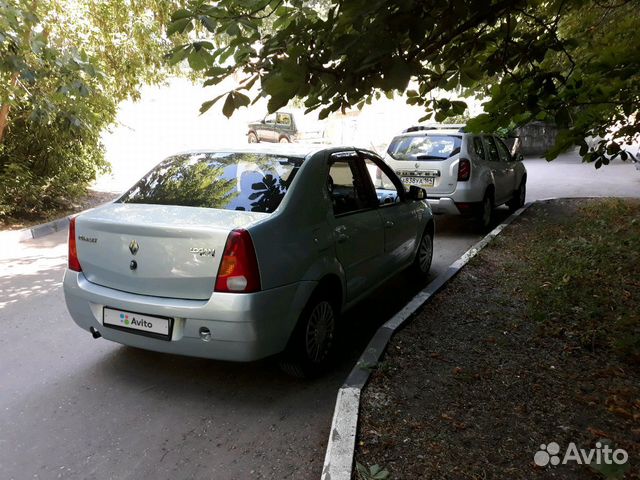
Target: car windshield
column 255, row 182
column 424, row 147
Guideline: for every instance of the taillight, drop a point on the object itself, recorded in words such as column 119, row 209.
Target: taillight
column 74, row 263
column 238, row 272
column 464, row 170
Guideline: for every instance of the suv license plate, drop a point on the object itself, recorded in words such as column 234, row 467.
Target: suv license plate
column 424, row 182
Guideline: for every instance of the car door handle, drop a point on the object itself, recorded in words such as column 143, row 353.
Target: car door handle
column 389, row 224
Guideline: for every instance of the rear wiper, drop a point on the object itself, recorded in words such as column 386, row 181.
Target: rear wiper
column 428, row 157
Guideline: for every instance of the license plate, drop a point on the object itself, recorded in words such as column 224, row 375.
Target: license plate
column 424, row 182
column 123, row 320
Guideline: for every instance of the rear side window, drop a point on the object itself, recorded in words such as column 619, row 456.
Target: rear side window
column 283, row 119
column 505, row 156
column 228, row 181
column 493, row 150
column 424, row 147
column 478, row 148
column 350, row 191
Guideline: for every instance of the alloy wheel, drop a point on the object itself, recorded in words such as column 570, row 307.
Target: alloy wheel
column 320, row 331
column 425, row 253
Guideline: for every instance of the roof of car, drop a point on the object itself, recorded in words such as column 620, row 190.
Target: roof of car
column 289, row 149
column 434, row 131
column 300, row 150
column 459, row 127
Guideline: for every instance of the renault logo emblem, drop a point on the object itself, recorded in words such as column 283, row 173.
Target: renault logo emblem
column 134, row 247
column 417, row 166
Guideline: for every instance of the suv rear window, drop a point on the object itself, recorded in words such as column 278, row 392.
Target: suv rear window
column 253, row 182
column 424, row 147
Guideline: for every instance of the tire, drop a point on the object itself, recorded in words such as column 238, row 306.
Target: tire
column 484, row 217
column 284, row 140
column 252, row 138
column 424, row 257
column 519, row 197
column 310, row 350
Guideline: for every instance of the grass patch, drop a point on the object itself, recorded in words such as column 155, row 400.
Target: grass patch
column 583, row 276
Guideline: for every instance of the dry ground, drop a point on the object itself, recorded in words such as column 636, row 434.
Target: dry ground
column 537, row 340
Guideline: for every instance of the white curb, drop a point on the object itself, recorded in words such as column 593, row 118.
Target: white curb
column 43, row 229
column 342, row 440
column 338, row 461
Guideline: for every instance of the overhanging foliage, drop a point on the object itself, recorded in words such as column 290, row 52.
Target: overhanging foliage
column 572, row 62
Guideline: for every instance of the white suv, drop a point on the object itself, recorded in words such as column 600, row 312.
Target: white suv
column 463, row 173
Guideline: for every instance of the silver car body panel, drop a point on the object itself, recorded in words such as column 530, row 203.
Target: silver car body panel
column 165, row 235
column 244, row 327
column 296, row 247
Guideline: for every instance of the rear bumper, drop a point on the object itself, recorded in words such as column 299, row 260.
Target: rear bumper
column 244, row 327
column 443, row 206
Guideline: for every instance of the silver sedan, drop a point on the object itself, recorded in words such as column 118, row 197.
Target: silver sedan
column 240, row 254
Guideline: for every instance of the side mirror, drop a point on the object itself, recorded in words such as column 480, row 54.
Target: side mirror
column 416, row 193
column 263, row 120
column 519, row 157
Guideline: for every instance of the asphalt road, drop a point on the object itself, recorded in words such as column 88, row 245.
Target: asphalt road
column 76, row 408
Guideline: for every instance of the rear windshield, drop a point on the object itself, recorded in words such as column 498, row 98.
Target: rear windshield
column 424, row 147
column 254, row 182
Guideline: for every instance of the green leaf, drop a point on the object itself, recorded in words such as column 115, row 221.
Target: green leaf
column 180, row 14
column 398, row 76
column 229, row 105
column 584, row 148
column 179, row 55
column 440, row 116
column 178, row 26
column 208, row 23
column 199, row 60
column 458, row 107
column 203, row 44
column 241, row 100
column 233, row 29
column 209, row 103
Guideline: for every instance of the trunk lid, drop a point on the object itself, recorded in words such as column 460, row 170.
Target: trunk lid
column 427, row 159
column 437, row 177
column 177, row 250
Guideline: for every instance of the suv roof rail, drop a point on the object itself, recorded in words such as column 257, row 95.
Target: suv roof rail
column 460, row 127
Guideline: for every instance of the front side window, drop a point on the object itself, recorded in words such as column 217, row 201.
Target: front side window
column 349, row 190
column 386, row 190
column 271, row 118
column 252, row 182
column 424, row 147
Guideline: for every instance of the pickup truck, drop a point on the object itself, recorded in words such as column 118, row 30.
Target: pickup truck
column 281, row 127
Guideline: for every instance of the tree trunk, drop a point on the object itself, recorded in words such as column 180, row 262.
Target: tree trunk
column 4, row 110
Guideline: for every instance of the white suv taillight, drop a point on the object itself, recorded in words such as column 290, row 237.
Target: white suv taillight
column 74, row 263
column 464, row 170
column 238, row 272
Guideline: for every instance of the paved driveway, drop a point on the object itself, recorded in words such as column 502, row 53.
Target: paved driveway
column 74, row 407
